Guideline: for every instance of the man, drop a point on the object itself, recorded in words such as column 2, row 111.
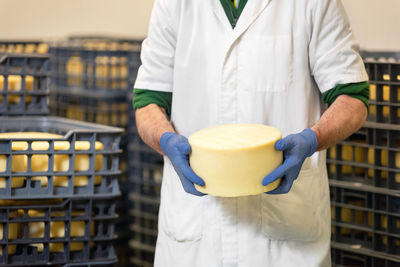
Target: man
column 209, row 62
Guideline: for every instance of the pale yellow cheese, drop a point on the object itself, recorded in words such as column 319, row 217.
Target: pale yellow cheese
column 40, row 162
column 58, row 230
column 385, row 97
column 347, row 155
column 372, row 91
column 15, row 85
column 74, row 68
column 383, row 162
column 233, row 159
column 15, row 230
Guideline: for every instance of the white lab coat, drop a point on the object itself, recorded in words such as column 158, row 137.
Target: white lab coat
column 270, row 69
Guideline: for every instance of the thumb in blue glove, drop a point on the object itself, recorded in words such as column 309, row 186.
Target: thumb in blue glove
column 296, row 148
column 177, row 149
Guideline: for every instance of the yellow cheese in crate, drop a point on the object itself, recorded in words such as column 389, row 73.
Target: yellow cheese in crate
column 372, row 91
column 15, row 85
column 58, row 230
column 40, row 162
column 75, row 112
column 347, row 155
column 346, row 216
column 15, row 230
column 384, row 162
column 385, row 97
column 385, row 92
column 74, row 68
column 111, row 67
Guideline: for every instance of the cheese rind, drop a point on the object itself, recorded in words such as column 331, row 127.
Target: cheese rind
column 233, row 159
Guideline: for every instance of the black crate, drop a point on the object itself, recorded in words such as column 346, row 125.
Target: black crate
column 83, row 163
column 57, row 232
column 371, row 156
column 349, row 255
column 94, row 65
column 366, row 216
column 24, row 46
column 23, row 84
column 384, row 73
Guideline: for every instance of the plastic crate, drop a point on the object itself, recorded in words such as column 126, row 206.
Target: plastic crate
column 109, row 109
column 25, row 46
column 344, row 255
column 371, row 157
column 94, row 65
column 23, row 84
column 366, row 217
column 82, row 163
column 57, row 232
column 384, row 73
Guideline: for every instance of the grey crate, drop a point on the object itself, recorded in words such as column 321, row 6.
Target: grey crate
column 384, row 73
column 104, row 108
column 23, row 84
column 41, row 232
column 99, row 65
column 102, row 163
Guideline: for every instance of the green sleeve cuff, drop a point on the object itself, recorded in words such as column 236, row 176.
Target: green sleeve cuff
column 356, row 90
column 145, row 97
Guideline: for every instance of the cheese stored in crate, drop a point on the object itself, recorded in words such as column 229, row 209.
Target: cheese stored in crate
column 14, row 84
column 347, row 155
column 233, row 159
column 15, row 230
column 40, row 162
column 58, row 229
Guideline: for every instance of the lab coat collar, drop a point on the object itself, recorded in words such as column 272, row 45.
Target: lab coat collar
column 249, row 14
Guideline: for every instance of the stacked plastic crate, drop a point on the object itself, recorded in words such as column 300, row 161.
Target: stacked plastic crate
column 58, row 177
column 364, row 173
column 92, row 81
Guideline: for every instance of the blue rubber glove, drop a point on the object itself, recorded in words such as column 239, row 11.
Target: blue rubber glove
column 177, row 148
column 296, row 148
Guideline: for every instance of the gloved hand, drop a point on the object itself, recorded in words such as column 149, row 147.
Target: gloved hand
column 177, row 148
column 296, row 148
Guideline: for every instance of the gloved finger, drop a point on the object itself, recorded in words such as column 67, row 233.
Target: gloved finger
column 276, row 174
column 188, row 186
column 188, row 172
column 184, row 148
column 284, row 186
column 284, row 144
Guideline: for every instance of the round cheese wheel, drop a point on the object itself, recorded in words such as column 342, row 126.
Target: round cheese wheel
column 233, row 159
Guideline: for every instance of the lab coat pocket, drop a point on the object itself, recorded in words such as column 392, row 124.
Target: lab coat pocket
column 181, row 214
column 265, row 63
column 293, row 216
